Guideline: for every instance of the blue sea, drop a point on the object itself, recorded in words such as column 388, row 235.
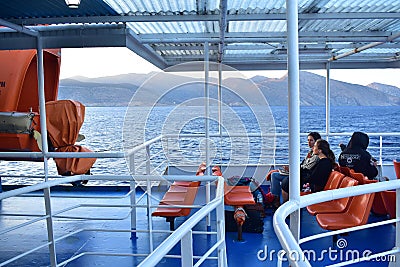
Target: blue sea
column 104, row 126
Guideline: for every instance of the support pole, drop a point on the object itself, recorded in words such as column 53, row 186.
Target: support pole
column 328, row 100
column 45, row 150
column 206, row 123
column 294, row 111
column 132, row 185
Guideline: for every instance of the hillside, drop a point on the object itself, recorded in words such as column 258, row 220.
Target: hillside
column 118, row 90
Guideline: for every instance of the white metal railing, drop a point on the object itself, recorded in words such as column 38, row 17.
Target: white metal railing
column 184, row 235
column 292, row 246
column 132, row 156
column 216, row 204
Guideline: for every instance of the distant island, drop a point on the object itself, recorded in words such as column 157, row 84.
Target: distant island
column 118, row 91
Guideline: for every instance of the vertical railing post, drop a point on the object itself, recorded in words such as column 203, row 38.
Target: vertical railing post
column 220, row 217
column 328, row 100
column 206, row 124
column 187, row 249
column 43, row 130
column 149, row 197
column 132, row 186
column 294, row 111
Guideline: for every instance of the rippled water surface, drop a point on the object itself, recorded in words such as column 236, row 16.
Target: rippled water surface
column 103, row 129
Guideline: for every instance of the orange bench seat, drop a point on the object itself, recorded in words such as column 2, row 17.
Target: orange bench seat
column 177, row 195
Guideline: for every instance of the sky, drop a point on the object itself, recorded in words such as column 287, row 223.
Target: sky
column 101, row 62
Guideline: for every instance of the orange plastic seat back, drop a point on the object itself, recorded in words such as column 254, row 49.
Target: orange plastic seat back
column 389, row 200
column 360, row 207
column 396, row 165
column 344, row 170
column 346, row 182
column 358, row 176
column 334, row 180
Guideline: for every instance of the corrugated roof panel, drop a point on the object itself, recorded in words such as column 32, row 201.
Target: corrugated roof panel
column 249, row 52
column 164, row 6
column 257, row 26
column 174, row 27
column 152, row 7
column 256, row 6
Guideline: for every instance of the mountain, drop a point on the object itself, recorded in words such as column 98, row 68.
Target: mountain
column 168, row 89
column 387, row 89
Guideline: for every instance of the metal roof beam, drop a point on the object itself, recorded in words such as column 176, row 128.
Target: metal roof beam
column 205, row 17
column 145, row 51
column 222, row 30
column 73, row 38
column 282, row 65
column 279, row 37
column 18, row 28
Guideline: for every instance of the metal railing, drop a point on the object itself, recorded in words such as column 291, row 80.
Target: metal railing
column 292, row 246
column 134, row 180
column 184, row 235
column 136, row 159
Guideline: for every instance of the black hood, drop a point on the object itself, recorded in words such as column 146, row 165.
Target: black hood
column 359, row 140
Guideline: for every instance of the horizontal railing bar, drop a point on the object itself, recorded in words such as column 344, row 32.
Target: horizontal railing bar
column 80, row 196
column 282, row 230
column 40, row 186
column 177, row 235
column 350, row 229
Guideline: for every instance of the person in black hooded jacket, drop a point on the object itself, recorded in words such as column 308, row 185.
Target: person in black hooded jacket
column 356, row 157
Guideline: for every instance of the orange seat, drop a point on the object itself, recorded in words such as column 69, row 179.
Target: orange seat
column 333, row 206
column 345, row 170
column 396, row 165
column 179, row 196
column 187, row 183
column 334, row 180
column 360, row 177
column 238, row 195
column 377, row 207
column 389, row 200
column 356, row 214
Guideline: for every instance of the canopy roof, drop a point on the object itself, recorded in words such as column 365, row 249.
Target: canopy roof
column 247, row 35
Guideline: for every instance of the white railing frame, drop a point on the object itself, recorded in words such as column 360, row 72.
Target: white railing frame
column 49, row 184
column 130, row 155
column 288, row 242
column 184, row 233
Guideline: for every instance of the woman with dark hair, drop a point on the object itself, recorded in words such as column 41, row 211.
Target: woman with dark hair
column 319, row 173
column 356, row 157
column 306, row 165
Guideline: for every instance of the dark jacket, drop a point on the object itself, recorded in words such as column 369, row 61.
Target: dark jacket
column 356, row 157
column 319, row 175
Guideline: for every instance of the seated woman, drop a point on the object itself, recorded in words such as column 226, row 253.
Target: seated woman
column 319, row 174
column 306, row 165
column 355, row 156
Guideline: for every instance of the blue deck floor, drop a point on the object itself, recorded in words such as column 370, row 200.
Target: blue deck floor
column 86, row 240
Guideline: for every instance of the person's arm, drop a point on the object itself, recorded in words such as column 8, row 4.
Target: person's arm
column 371, row 171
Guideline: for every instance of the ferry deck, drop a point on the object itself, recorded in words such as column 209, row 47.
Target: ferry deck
column 47, row 224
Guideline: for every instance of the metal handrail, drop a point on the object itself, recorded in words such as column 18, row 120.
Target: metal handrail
column 288, row 241
column 180, row 233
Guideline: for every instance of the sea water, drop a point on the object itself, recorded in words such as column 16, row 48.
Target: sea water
column 103, row 130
